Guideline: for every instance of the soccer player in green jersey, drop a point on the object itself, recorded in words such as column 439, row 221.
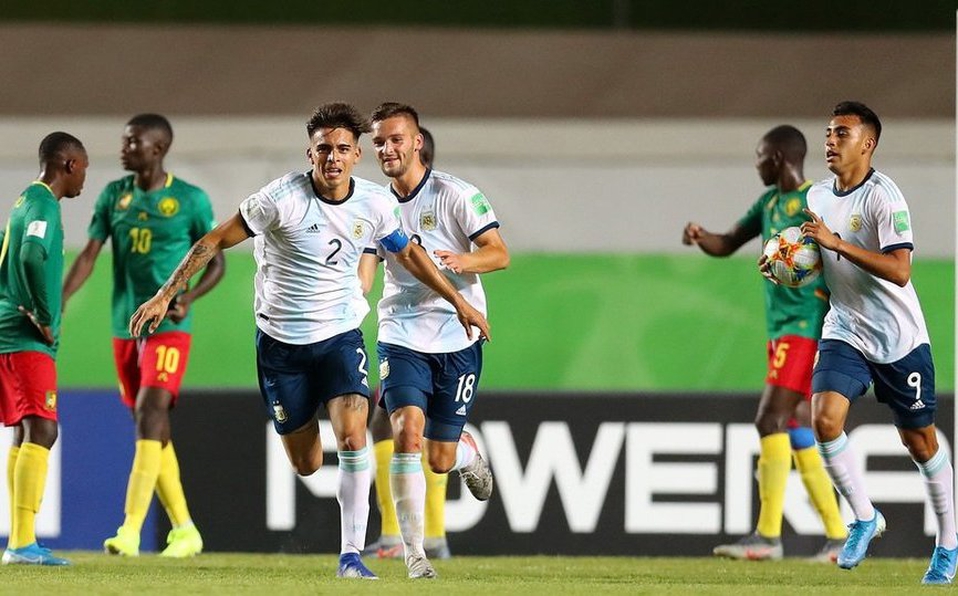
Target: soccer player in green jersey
column 31, row 270
column 152, row 219
column 794, row 321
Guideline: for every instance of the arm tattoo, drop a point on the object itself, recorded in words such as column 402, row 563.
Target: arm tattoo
column 197, row 258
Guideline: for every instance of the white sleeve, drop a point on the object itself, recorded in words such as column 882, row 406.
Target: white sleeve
column 892, row 220
column 260, row 212
column 474, row 213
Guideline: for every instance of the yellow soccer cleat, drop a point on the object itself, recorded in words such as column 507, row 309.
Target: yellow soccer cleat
column 183, row 542
column 125, row 543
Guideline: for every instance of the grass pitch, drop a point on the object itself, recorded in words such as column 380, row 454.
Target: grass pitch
column 215, row 573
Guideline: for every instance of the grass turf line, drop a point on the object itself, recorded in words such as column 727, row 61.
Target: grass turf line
column 234, row 573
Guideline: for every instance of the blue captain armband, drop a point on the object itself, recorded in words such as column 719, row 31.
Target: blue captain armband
column 396, row 241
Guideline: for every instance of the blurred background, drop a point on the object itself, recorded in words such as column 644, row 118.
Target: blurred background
column 597, row 129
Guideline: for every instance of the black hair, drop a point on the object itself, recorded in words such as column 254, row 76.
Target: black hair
column 864, row 113
column 338, row 115
column 56, row 144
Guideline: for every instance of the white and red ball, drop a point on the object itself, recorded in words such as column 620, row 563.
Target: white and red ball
column 794, row 259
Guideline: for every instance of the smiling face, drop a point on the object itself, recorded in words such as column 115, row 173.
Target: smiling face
column 333, row 152
column 849, row 143
column 397, row 143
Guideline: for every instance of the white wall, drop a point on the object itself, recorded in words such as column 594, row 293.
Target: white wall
column 556, row 185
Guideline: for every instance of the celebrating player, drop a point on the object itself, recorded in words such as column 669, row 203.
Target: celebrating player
column 429, row 371
column 389, row 544
column 874, row 333
column 311, row 230
column 152, row 218
column 31, row 274
column 794, row 321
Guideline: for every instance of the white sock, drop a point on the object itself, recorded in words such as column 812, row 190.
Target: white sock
column 845, row 471
column 355, row 480
column 940, row 486
column 408, row 485
column 465, row 455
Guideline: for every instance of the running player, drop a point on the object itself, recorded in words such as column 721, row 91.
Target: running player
column 31, row 274
column 151, row 218
column 311, row 230
column 874, row 333
column 389, row 544
column 794, row 322
column 429, row 372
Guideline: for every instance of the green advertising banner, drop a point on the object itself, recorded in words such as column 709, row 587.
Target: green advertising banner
column 559, row 321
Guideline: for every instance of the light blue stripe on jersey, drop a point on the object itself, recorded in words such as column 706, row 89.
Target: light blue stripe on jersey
column 354, row 461
column 405, row 463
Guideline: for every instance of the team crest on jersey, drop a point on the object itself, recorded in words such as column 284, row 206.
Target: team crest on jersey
column 793, row 206
column 50, row 403
column 124, row 202
column 359, row 230
column 279, row 413
column 427, row 220
column 168, row 206
column 855, row 222
column 383, row 368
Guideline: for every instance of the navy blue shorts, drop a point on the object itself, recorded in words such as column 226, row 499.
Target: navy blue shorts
column 906, row 386
column 294, row 380
column 443, row 386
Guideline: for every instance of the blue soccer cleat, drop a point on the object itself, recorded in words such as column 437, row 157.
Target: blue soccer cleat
column 32, row 554
column 941, row 570
column 351, row 566
column 860, row 534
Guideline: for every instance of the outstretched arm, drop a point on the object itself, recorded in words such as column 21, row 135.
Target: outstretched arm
column 716, row 245
column 150, row 313
column 491, row 254
column 81, row 269
column 417, row 262
column 894, row 266
column 211, row 276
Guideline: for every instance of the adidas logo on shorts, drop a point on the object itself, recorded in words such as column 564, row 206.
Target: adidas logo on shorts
column 918, row 405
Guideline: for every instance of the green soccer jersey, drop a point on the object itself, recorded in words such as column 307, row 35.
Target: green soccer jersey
column 150, row 232
column 788, row 311
column 35, row 219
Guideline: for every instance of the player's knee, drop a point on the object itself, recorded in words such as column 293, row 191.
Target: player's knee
column 40, row 431
column 306, row 465
column 827, row 428
column 441, row 462
column 408, row 439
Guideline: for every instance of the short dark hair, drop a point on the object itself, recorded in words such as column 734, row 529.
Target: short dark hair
column 337, row 115
column 153, row 122
column 428, row 152
column 864, row 113
column 789, row 140
column 392, row 108
column 56, row 144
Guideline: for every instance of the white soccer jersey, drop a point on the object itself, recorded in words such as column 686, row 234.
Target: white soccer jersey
column 882, row 320
column 307, row 252
column 442, row 213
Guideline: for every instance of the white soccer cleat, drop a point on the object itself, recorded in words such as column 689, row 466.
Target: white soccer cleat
column 420, row 568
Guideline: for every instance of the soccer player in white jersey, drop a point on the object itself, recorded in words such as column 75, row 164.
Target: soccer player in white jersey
column 874, row 333
column 311, row 230
column 429, row 373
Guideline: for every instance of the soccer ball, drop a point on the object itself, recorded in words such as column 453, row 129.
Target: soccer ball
column 794, row 259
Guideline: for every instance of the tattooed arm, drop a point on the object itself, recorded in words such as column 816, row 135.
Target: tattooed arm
column 150, row 313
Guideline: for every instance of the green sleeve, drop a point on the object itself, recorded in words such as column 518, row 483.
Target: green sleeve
column 203, row 221
column 99, row 228
column 32, row 258
column 751, row 222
